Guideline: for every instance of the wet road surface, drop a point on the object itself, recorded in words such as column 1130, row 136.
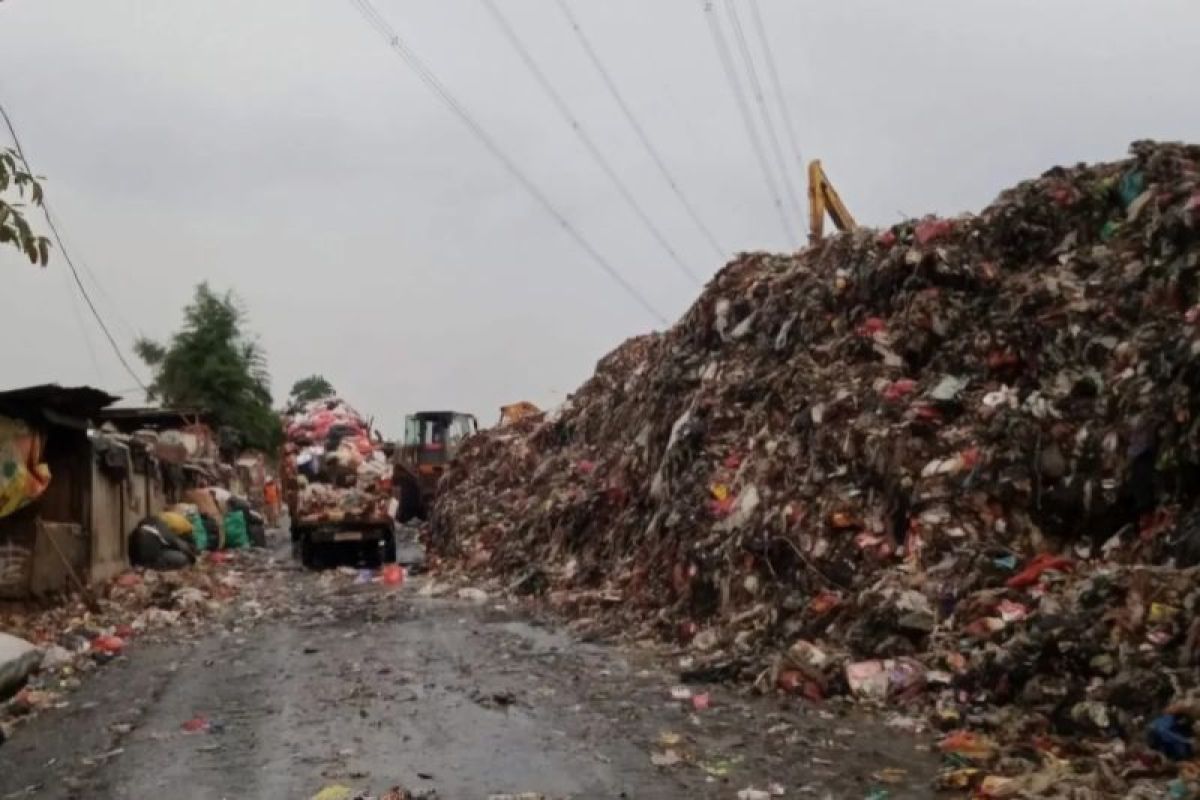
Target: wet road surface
column 367, row 688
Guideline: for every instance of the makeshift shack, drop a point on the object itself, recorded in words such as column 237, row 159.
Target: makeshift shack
column 66, row 511
column 173, row 450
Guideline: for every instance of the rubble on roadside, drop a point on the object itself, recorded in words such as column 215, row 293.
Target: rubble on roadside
column 80, row 634
column 953, row 465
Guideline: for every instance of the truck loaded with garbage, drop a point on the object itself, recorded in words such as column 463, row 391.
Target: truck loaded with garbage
column 337, row 480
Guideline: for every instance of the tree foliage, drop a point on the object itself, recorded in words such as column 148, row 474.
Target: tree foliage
column 314, row 387
column 17, row 183
column 212, row 363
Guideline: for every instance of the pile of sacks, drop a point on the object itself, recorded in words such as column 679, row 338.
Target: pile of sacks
column 954, row 463
column 340, row 472
column 211, row 519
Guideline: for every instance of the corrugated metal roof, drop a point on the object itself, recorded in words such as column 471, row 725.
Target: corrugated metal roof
column 75, row 401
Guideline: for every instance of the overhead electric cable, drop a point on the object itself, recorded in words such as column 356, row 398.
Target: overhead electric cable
column 410, row 58
column 726, row 58
column 79, row 322
column 739, row 37
column 585, row 138
column 647, row 144
column 70, row 263
column 777, row 85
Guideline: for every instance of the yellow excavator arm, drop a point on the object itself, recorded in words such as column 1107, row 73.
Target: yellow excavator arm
column 822, row 198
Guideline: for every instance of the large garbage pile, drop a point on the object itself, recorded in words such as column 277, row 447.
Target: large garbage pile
column 953, row 463
column 338, row 471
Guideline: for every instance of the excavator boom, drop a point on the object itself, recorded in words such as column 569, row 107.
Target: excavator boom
column 822, row 198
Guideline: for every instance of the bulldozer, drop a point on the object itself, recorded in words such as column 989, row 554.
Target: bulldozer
column 431, row 441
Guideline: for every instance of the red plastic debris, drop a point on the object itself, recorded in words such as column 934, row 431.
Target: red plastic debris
column 220, row 557
column 1192, row 206
column 1064, row 196
column 585, row 467
column 887, row 239
column 998, row 359
column 872, row 326
column 108, row 644
column 196, row 724
column 1154, row 523
column 701, row 701
column 129, row 579
column 931, row 230
column 789, row 680
column 1034, row 569
column 392, row 575
column 899, row 389
column 928, row 413
column 824, row 603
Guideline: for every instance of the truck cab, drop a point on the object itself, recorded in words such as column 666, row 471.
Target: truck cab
column 431, row 441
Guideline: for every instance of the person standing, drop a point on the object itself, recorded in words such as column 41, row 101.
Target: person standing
column 271, row 500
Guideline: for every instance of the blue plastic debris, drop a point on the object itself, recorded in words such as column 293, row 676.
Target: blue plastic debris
column 1171, row 735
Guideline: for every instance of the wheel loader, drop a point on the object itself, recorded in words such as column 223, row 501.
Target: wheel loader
column 431, row 441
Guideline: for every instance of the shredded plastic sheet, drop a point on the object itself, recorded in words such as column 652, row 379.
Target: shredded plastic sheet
column 23, row 476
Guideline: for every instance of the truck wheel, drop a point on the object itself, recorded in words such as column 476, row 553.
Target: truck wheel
column 308, row 553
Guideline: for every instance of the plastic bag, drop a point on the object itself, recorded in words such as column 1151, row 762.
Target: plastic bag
column 176, row 522
column 199, row 532
column 23, row 477
column 237, row 535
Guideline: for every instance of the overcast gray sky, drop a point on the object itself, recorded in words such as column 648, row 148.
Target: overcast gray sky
column 279, row 148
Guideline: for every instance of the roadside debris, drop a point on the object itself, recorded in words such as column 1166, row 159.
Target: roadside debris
column 948, row 467
column 18, row 658
column 70, row 639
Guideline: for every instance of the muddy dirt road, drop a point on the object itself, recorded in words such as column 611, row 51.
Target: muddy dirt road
column 354, row 685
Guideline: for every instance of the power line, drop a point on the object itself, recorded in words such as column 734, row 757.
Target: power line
column 87, row 340
column 726, row 58
column 580, row 131
column 651, row 150
column 739, row 37
column 70, row 263
column 381, row 26
column 777, row 85
column 113, row 305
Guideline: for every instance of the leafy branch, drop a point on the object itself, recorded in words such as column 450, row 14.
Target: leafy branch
column 15, row 178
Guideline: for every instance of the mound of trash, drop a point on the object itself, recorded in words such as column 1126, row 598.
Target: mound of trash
column 953, row 463
column 334, row 470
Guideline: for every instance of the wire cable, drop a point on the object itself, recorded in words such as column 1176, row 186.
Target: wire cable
column 726, row 58
column 739, row 38
column 647, row 144
column 87, row 340
column 777, row 85
column 113, row 305
column 581, row 132
column 70, row 263
column 410, row 58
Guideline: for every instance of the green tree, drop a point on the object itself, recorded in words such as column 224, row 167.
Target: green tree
column 17, row 183
column 212, row 363
column 314, row 387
